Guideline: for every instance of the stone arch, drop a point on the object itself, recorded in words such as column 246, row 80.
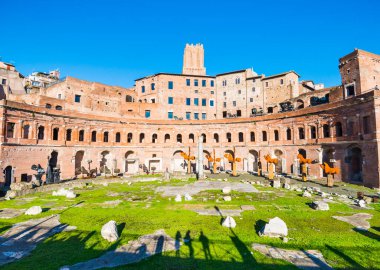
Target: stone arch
column 178, row 162
column 327, row 156
column 216, row 138
column 131, row 163
column 241, row 136
column 354, row 158
column 206, row 163
column 128, row 98
column 229, row 167
column 8, row 176
column 300, row 104
column 78, row 162
column 93, row 136
column 253, row 161
column 204, row 137
column 105, row 136
column 279, row 154
column 191, row 138
column 179, row 138
column 167, row 138
column 105, row 162
column 154, row 137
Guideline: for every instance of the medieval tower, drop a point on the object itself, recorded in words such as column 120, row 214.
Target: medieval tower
column 193, row 60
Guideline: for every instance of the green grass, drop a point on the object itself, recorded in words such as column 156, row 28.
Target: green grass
column 143, row 211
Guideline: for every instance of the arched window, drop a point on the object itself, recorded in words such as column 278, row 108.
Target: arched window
column 270, row 109
column 58, row 108
column 216, row 137
column 41, row 132
column 154, row 138
column 179, row 138
column 129, row 137
column 128, row 98
column 253, row 136
column 93, row 136
column 288, row 134
column 48, row 106
column 228, row 137
column 167, row 138
column 25, row 134
column 264, row 134
column 326, row 131
column 68, row 135
column 105, row 136
column 204, row 137
column 191, row 137
column 276, row 135
column 55, row 134
column 10, row 130
column 241, row 137
column 313, row 132
column 338, row 129
column 117, row 137
column 81, row 135
column 142, row 137
column 301, row 133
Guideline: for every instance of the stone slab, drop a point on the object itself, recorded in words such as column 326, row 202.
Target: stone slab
column 303, row 259
column 8, row 213
column 22, row 238
column 359, row 220
column 134, row 251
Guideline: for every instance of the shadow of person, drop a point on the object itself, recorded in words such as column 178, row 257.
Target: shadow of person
column 259, row 225
column 188, row 242
column 206, row 246
column 159, row 245
column 177, row 243
column 245, row 253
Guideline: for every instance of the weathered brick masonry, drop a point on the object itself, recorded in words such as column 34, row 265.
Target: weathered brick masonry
column 125, row 131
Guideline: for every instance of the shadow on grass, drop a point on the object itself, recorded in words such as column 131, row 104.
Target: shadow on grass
column 368, row 234
column 347, row 258
column 259, row 225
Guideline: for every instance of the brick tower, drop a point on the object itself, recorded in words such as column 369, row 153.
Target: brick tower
column 193, row 60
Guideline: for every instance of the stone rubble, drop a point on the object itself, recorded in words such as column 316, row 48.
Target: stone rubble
column 320, row 205
column 109, row 231
column 229, row 222
column 34, row 210
column 276, row 227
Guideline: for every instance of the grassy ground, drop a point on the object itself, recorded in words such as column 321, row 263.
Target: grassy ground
column 143, row 211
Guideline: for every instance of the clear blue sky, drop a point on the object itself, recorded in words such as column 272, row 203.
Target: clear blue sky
column 115, row 41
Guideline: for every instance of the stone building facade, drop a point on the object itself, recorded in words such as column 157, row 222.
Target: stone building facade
column 130, row 131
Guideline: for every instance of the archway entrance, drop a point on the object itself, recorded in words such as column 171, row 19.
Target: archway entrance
column 105, row 162
column 206, row 163
column 226, row 160
column 78, row 162
column 178, row 163
column 253, row 158
column 303, row 153
column 278, row 153
column 8, row 174
column 131, row 163
column 355, row 160
column 328, row 155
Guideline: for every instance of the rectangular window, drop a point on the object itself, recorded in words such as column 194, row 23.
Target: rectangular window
column 153, row 100
column 224, row 104
column 170, row 115
column 224, row 93
column 77, row 98
column 4, row 81
column 10, row 130
column 238, row 113
column 203, row 83
column 187, row 82
column 204, row 102
column 196, row 91
column 266, row 84
column 196, row 82
column 170, row 100
column 350, row 90
column 366, row 125
column 196, row 101
column 153, row 86
column 211, row 103
column 224, row 114
column 170, row 85
column 188, row 115
column 143, row 89
column 204, row 116
column 196, row 116
column 147, row 114
column 212, row 83
column 212, row 92
column 234, row 103
column 188, row 101
column 251, row 100
column 239, row 92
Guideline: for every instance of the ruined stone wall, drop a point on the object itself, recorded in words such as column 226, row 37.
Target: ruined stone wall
column 148, row 143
